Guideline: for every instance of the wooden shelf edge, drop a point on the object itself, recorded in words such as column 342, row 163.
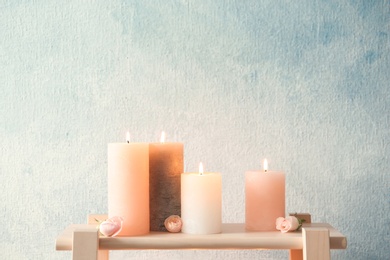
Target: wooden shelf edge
column 233, row 236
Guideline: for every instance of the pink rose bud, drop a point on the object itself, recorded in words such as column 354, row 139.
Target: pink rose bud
column 173, row 223
column 279, row 223
column 111, row 227
column 287, row 224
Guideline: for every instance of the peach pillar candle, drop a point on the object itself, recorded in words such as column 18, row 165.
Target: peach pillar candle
column 264, row 199
column 165, row 168
column 128, row 186
column 201, row 202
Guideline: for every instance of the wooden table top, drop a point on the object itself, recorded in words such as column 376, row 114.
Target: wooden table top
column 233, row 236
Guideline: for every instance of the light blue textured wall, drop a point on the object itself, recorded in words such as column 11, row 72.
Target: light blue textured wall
column 302, row 83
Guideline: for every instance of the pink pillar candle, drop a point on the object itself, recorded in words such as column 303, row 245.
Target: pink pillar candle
column 128, row 186
column 264, row 199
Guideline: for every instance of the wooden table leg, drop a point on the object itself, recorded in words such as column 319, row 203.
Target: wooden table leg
column 85, row 244
column 94, row 219
column 316, row 244
column 297, row 254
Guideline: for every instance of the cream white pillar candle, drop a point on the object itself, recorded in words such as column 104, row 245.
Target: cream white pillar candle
column 201, row 202
column 165, row 168
column 264, row 199
column 128, row 186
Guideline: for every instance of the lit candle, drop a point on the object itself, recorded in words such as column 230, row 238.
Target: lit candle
column 264, row 198
column 201, row 202
column 128, row 185
column 165, row 167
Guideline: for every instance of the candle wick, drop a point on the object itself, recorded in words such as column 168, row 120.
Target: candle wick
column 265, row 170
column 128, row 141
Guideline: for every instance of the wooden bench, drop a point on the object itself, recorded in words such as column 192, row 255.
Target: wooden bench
column 313, row 242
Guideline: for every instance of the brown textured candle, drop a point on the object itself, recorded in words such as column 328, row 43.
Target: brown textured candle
column 165, row 169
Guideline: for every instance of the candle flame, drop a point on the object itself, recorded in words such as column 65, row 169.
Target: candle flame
column 128, row 137
column 265, row 165
column 200, row 168
column 162, row 139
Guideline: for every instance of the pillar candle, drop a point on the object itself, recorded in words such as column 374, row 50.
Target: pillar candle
column 128, row 186
column 201, row 203
column 264, row 199
column 165, row 168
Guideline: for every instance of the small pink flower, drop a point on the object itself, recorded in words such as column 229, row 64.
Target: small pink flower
column 111, row 227
column 287, row 224
column 173, row 223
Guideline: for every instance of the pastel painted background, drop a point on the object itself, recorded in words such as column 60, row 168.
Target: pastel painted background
column 303, row 83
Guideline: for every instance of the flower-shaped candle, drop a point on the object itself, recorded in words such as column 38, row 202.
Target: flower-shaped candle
column 111, row 227
column 288, row 224
column 173, row 223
